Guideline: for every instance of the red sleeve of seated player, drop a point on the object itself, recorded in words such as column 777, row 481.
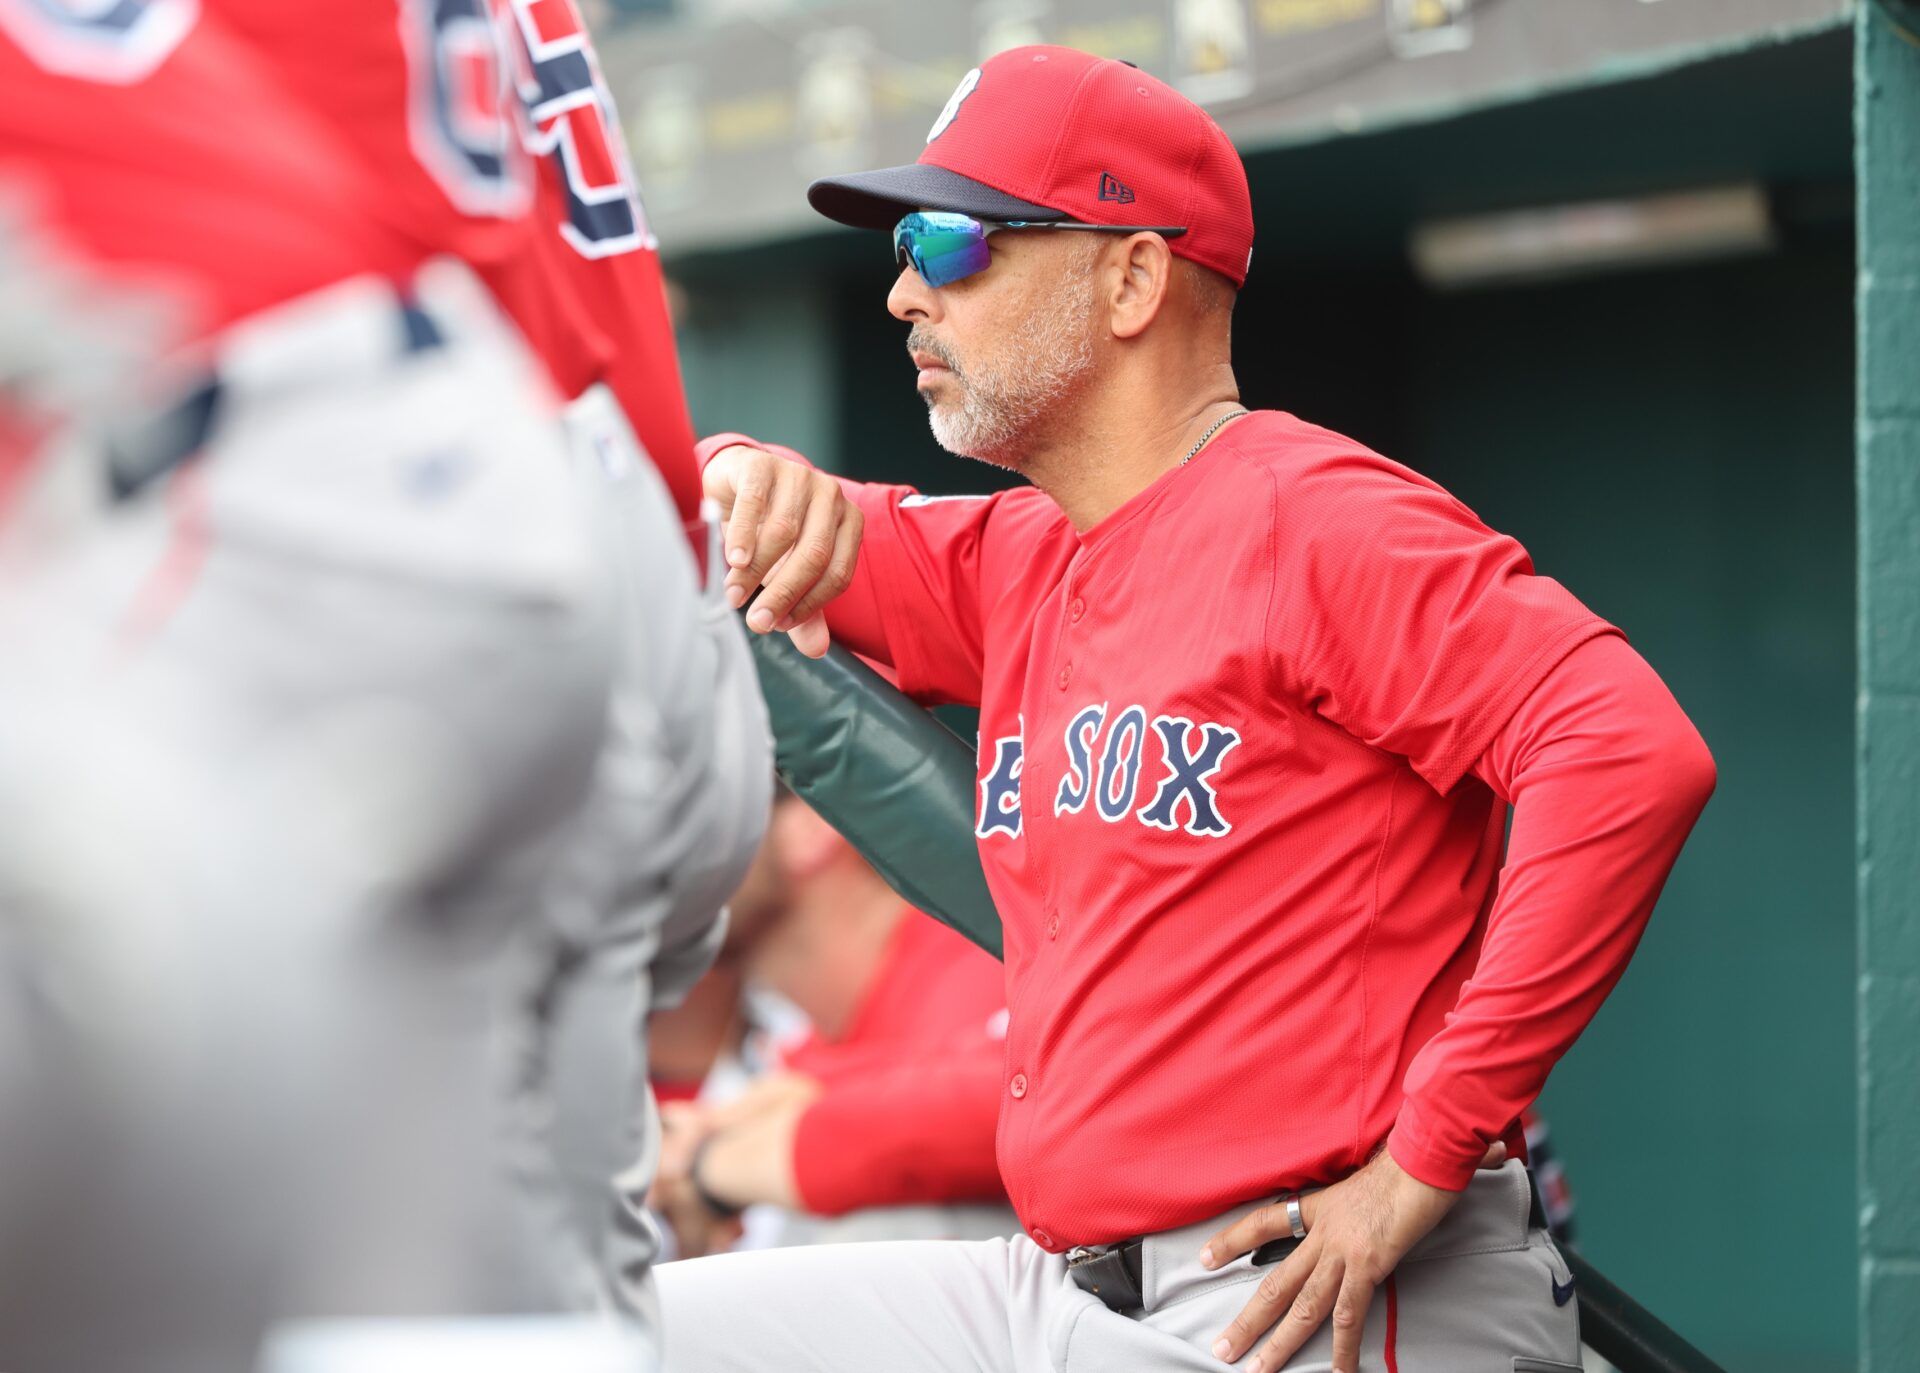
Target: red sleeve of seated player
column 919, row 1132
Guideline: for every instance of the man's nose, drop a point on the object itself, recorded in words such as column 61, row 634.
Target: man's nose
column 911, row 300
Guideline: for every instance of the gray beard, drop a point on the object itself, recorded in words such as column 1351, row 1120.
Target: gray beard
column 999, row 407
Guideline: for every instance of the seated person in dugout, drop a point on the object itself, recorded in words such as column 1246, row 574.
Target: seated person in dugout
column 876, row 1121
column 1254, row 703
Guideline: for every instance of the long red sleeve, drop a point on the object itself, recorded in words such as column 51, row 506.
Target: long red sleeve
column 920, row 1133
column 1606, row 776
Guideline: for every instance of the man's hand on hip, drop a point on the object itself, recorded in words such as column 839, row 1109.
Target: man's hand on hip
column 1357, row 1231
column 792, row 533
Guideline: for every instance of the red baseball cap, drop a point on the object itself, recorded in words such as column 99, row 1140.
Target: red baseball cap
column 1046, row 133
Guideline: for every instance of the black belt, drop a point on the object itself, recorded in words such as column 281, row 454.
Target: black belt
column 1111, row 1272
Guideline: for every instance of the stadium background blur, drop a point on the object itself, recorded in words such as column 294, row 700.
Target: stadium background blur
column 1592, row 264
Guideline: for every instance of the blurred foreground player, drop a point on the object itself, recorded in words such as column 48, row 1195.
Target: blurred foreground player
column 1254, row 702
column 490, row 128
column 288, row 725
column 683, row 786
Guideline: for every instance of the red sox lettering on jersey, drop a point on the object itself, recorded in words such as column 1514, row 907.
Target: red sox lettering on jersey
column 1105, row 762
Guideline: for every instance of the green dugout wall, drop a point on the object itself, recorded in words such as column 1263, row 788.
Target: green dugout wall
column 1679, row 446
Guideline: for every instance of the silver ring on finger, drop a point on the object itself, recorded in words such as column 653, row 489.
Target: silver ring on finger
column 1296, row 1222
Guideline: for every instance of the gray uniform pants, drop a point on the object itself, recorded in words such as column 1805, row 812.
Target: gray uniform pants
column 1477, row 1295
column 633, row 909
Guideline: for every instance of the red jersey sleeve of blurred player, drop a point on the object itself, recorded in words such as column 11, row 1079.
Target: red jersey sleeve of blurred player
column 153, row 149
column 591, row 297
column 1606, row 776
column 1397, row 615
column 911, row 1094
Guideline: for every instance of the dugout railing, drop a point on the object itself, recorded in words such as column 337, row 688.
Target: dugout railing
column 900, row 786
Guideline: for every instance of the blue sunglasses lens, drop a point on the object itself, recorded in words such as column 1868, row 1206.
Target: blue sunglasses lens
column 942, row 248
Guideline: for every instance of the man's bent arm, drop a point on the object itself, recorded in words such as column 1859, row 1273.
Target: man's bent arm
column 913, row 598
column 920, row 1133
column 853, row 615
column 1606, row 776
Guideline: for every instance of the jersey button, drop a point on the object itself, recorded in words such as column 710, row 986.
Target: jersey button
column 1066, row 675
column 1043, row 1239
column 1018, row 1086
column 1076, row 610
column 1053, row 928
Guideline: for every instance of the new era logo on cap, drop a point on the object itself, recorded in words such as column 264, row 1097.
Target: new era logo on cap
column 1111, row 189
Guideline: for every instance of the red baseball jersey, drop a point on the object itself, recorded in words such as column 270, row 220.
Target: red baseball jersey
column 1233, row 812
column 911, row 1091
column 160, row 156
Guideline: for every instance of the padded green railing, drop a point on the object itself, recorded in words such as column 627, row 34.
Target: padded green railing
column 900, row 786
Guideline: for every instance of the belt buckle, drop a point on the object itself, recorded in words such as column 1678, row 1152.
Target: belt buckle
column 1104, row 1271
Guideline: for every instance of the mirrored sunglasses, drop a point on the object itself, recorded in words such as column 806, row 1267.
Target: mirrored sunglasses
column 943, row 246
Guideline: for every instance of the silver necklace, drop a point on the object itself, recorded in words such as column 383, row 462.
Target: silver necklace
column 1212, row 429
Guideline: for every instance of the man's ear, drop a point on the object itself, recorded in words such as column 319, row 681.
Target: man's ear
column 1138, row 276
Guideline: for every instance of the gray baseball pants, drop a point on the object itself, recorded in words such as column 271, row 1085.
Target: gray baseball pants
column 1478, row 1295
column 633, row 910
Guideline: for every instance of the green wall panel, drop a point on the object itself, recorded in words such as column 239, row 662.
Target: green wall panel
column 1887, row 117
column 751, row 350
column 1675, row 447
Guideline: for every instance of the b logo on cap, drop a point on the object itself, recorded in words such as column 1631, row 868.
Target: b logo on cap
column 960, row 93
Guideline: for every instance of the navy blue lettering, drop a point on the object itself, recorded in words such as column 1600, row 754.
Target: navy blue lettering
column 1120, row 763
column 1077, row 785
column 1187, row 775
column 1000, row 790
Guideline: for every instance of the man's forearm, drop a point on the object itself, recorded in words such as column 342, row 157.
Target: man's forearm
column 1606, row 776
column 923, row 1133
column 854, row 615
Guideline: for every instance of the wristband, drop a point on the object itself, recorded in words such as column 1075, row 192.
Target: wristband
column 725, row 1210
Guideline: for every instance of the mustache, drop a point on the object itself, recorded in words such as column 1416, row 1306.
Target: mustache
column 920, row 339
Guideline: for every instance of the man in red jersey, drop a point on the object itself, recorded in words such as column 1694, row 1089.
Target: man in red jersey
column 288, row 727
column 879, row 1122
column 1254, row 701
column 490, row 130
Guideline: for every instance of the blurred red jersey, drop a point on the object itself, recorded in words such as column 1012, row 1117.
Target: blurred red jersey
column 591, row 297
column 420, row 91
column 159, row 157
column 494, row 138
column 910, row 1091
